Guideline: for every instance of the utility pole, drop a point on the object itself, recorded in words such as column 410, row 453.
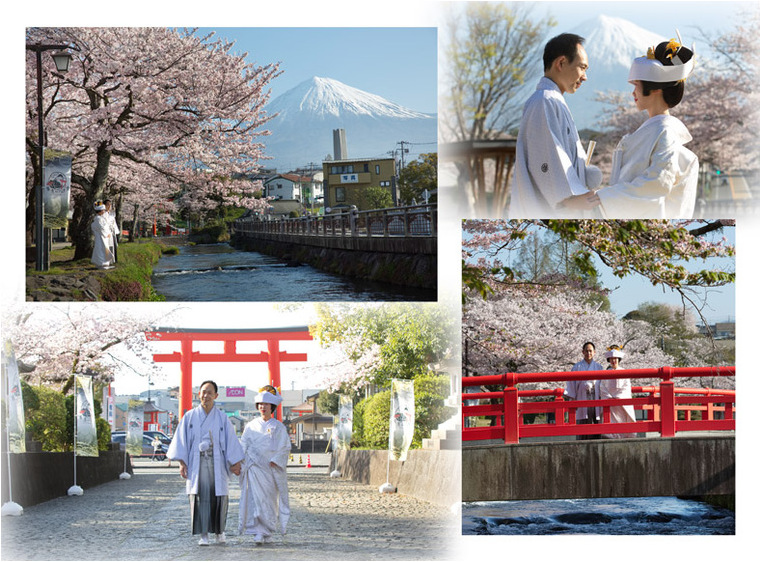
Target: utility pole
column 401, row 166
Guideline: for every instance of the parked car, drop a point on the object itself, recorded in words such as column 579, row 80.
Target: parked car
column 165, row 439
column 119, row 437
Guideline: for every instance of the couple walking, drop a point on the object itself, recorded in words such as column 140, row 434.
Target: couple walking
column 208, row 450
column 653, row 175
column 601, row 390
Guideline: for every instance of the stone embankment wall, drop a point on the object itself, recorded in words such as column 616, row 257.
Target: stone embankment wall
column 429, row 475
column 411, row 269
column 39, row 477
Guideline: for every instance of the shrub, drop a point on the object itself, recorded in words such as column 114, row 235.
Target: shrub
column 371, row 415
column 375, row 416
column 47, row 422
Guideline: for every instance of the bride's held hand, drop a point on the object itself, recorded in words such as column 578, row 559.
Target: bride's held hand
column 583, row 202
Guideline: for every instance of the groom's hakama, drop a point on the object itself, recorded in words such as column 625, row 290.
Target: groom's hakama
column 208, row 512
column 208, row 446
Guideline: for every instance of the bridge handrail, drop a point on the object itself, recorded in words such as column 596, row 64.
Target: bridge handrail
column 662, row 404
column 413, row 220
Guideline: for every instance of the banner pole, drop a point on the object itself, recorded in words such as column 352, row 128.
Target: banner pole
column 10, row 507
column 75, row 490
column 387, row 488
column 74, row 411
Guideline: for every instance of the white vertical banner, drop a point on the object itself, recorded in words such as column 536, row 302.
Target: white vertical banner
column 86, row 436
column 402, row 418
column 345, row 423
column 134, row 438
column 56, row 188
column 14, row 401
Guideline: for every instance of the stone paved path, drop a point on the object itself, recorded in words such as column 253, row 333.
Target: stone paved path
column 147, row 518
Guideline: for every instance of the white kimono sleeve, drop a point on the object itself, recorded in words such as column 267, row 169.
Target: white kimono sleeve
column 550, row 163
column 281, row 445
column 643, row 196
column 233, row 449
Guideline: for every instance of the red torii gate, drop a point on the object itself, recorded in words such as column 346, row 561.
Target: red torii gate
column 186, row 357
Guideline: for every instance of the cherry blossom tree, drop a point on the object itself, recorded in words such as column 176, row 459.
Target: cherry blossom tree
column 657, row 250
column 527, row 329
column 57, row 342
column 511, row 324
column 530, row 329
column 139, row 104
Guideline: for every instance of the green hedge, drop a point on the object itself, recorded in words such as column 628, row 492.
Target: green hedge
column 50, row 419
column 371, row 415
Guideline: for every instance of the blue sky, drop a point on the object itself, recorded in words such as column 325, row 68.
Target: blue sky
column 631, row 291
column 658, row 17
column 398, row 64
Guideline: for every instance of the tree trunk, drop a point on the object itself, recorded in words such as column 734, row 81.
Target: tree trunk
column 135, row 215
column 93, row 189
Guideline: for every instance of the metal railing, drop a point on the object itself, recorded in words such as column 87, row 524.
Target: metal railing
column 667, row 409
column 415, row 220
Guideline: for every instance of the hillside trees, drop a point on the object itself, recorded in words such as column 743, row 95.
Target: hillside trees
column 163, row 114
column 418, row 176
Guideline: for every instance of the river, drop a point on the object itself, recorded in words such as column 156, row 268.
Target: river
column 607, row 516
column 219, row 272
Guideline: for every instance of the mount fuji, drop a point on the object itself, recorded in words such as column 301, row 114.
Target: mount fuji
column 302, row 130
column 611, row 44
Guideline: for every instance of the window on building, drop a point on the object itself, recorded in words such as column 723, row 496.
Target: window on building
column 385, row 183
column 340, row 194
column 344, row 169
column 377, row 169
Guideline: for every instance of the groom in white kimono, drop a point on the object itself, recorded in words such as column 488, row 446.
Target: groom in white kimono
column 552, row 178
column 207, row 449
column 585, row 389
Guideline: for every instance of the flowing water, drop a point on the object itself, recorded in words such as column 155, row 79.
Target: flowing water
column 607, row 516
column 218, row 272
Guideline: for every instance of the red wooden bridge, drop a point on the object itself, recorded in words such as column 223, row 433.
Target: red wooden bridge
column 668, row 409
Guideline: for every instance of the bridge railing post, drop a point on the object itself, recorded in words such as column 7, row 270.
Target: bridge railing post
column 668, row 404
column 510, row 402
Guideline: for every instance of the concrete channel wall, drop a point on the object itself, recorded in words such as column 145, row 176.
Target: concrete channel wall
column 681, row 466
column 399, row 261
column 429, row 475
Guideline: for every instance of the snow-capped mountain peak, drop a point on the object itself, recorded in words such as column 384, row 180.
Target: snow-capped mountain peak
column 612, row 42
column 328, row 97
column 307, row 114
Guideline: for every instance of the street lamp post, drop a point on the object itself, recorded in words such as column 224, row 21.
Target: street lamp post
column 62, row 59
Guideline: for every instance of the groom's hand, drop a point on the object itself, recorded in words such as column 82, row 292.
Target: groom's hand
column 583, row 202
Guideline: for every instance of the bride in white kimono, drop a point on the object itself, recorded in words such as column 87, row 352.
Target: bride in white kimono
column 653, row 174
column 617, row 388
column 263, row 480
column 102, row 257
